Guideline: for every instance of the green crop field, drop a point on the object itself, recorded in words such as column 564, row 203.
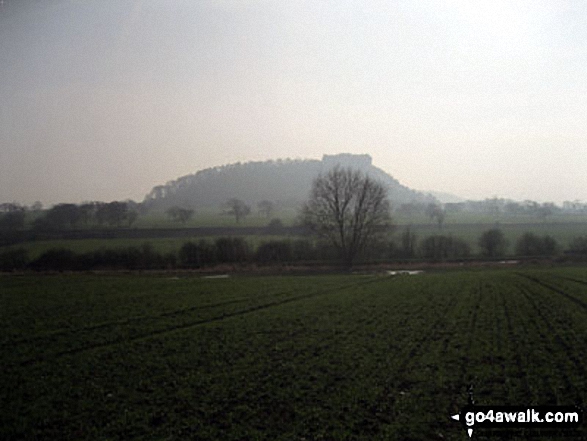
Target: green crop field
column 210, row 217
column 332, row 357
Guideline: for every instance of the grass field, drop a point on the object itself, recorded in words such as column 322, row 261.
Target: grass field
column 286, row 358
column 208, row 217
column 466, row 226
column 563, row 233
column 211, row 217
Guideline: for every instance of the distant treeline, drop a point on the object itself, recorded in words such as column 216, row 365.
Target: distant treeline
column 124, row 214
column 236, row 250
column 68, row 216
column 116, row 214
column 204, row 253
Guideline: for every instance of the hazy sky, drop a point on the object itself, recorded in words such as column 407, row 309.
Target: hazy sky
column 103, row 99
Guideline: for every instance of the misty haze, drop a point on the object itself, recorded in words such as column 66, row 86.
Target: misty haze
column 292, row 220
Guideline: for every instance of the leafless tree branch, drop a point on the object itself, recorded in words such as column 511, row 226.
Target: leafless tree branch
column 348, row 209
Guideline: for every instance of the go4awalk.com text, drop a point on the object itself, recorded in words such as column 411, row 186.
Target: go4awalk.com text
column 517, row 417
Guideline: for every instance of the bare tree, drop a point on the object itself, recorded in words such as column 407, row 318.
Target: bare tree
column 237, row 208
column 347, row 208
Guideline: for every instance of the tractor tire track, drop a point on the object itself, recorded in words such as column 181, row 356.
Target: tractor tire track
column 471, row 326
column 483, row 323
column 555, row 332
column 573, row 299
column 471, row 329
column 272, row 372
column 516, row 350
column 457, row 349
column 169, row 329
column 130, row 320
column 271, row 376
column 381, row 409
column 571, row 279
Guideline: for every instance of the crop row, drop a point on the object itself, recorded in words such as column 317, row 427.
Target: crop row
column 327, row 357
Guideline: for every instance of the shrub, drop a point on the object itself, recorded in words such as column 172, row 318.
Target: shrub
column 303, row 249
column 274, row 251
column 56, row 259
column 378, row 249
column 197, row 255
column 231, row 250
column 530, row 244
column 143, row 257
column 441, row 247
column 326, row 251
column 493, row 243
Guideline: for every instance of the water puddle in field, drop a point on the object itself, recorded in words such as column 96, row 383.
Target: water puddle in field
column 404, row 272
column 217, row 276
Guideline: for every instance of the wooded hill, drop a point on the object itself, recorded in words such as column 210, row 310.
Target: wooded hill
column 286, row 182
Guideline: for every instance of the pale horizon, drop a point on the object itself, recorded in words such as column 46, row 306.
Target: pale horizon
column 104, row 100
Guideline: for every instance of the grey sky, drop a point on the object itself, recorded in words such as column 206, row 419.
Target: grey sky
column 101, row 100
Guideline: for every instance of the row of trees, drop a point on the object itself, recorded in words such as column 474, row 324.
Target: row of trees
column 346, row 209
column 114, row 213
column 496, row 206
column 232, row 207
column 236, row 250
column 350, row 212
column 492, row 206
column 492, row 243
column 7, row 207
column 239, row 209
column 204, row 253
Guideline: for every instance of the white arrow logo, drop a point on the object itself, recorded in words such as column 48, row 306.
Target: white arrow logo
column 457, row 418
